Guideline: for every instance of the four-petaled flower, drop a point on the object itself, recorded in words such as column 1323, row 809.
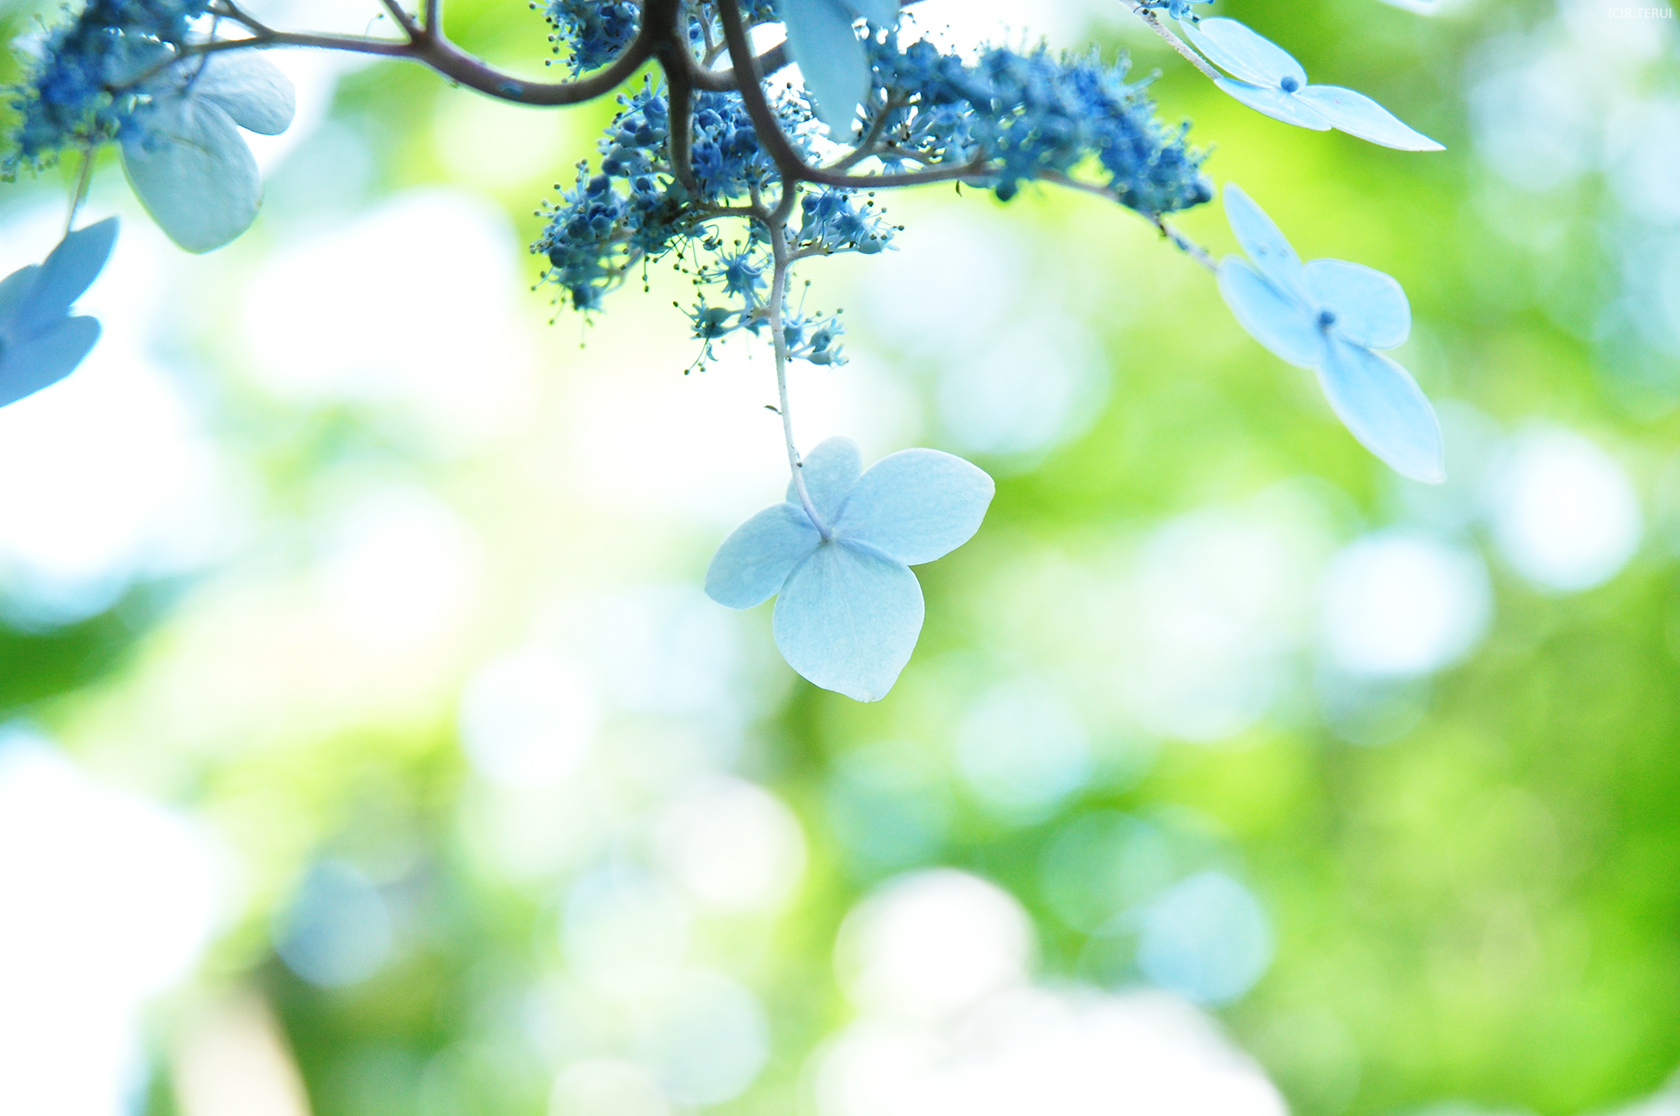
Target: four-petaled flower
column 1329, row 315
column 848, row 609
column 40, row 343
column 1265, row 77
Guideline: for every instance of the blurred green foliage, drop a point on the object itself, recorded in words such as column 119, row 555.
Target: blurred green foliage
column 1484, row 908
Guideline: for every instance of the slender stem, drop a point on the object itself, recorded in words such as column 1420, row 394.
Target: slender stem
column 778, row 294
column 1184, row 244
column 871, row 139
column 82, row 183
column 434, row 17
column 727, row 81
column 1167, row 230
column 403, row 18
column 1173, row 40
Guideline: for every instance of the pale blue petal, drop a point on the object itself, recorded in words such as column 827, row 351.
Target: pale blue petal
column 916, row 505
column 67, row 273
column 1275, row 103
column 848, row 619
column 882, row 13
column 1370, row 306
column 1358, row 115
column 249, row 88
column 45, row 359
column 830, row 470
column 831, row 57
column 1244, row 53
column 193, row 172
column 1285, row 325
column 1382, row 405
column 1267, row 248
column 753, row 562
column 14, row 291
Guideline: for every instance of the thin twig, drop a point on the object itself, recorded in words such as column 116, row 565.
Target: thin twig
column 1167, row 230
column 778, row 339
column 82, row 182
column 407, row 22
column 438, row 53
column 1173, row 40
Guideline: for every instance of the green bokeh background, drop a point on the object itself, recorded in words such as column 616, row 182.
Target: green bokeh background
column 1484, row 909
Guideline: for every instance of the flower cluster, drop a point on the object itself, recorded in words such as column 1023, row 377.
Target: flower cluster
column 634, row 211
column 595, row 31
column 75, row 93
column 1032, row 115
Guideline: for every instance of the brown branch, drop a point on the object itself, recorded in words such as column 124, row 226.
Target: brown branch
column 401, row 15
column 429, row 47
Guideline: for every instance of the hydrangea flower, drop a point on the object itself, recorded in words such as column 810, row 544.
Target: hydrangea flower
column 40, row 343
column 832, row 59
column 1035, row 114
column 848, row 609
column 1265, row 77
column 185, row 157
column 1329, row 315
column 597, row 31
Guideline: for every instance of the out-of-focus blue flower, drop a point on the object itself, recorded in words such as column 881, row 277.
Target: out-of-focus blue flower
column 80, row 90
column 1328, row 315
column 40, row 343
column 848, row 609
column 1265, row 77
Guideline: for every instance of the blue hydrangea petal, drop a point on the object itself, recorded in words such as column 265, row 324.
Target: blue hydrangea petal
column 882, row 13
column 831, row 57
column 1358, row 115
column 1275, row 103
column 45, row 359
column 917, row 505
column 1267, row 248
column 1286, row 325
column 848, row 619
column 753, row 562
column 193, row 172
column 1380, row 403
column 14, row 291
column 1244, row 53
column 830, row 470
column 1370, row 305
column 249, row 88
column 66, row 275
